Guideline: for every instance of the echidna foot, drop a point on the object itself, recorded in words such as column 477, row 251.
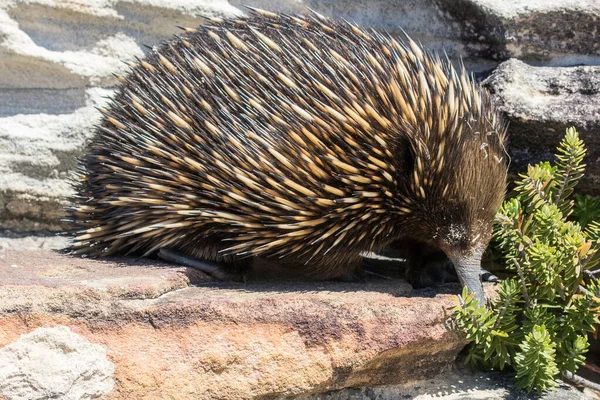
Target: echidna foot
column 436, row 269
column 216, row 270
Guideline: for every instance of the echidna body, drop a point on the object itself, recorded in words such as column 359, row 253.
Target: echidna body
column 293, row 137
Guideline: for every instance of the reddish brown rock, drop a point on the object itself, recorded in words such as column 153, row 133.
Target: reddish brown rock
column 265, row 338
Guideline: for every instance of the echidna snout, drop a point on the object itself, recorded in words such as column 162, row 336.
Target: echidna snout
column 292, row 137
column 468, row 270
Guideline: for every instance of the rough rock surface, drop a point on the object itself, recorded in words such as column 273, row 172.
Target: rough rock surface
column 541, row 102
column 58, row 58
column 459, row 384
column 478, row 30
column 36, row 157
column 552, row 32
column 50, row 363
column 268, row 337
column 138, row 330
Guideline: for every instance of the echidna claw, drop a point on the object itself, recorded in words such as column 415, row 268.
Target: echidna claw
column 487, row 276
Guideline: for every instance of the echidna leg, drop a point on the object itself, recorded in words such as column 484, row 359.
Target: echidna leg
column 426, row 267
column 220, row 271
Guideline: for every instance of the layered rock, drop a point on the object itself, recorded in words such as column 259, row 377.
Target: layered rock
column 129, row 329
column 552, row 32
column 166, row 339
column 58, row 61
column 540, row 103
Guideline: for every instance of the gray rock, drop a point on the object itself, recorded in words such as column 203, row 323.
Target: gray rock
column 454, row 385
column 552, row 32
column 37, row 155
column 540, row 103
column 57, row 60
column 53, row 45
column 26, row 241
column 51, row 363
column 482, row 32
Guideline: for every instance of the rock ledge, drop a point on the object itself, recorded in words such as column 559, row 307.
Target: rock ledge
column 172, row 333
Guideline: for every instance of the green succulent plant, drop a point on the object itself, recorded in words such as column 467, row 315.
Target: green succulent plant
column 549, row 242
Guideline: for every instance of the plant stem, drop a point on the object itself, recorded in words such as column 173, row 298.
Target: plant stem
column 539, row 191
column 523, row 285
column 564, row 182
column 579, row 381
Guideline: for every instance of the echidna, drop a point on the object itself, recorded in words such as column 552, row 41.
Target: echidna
column 295, row 137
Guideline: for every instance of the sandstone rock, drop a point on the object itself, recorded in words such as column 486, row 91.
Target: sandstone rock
column 58, row 59
column 480, row 31
column 36, row 159
column 540, row 103
column 85, row 42
column 266, row 338
column 553, row 32
column 28, row 241
column 54, row 363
